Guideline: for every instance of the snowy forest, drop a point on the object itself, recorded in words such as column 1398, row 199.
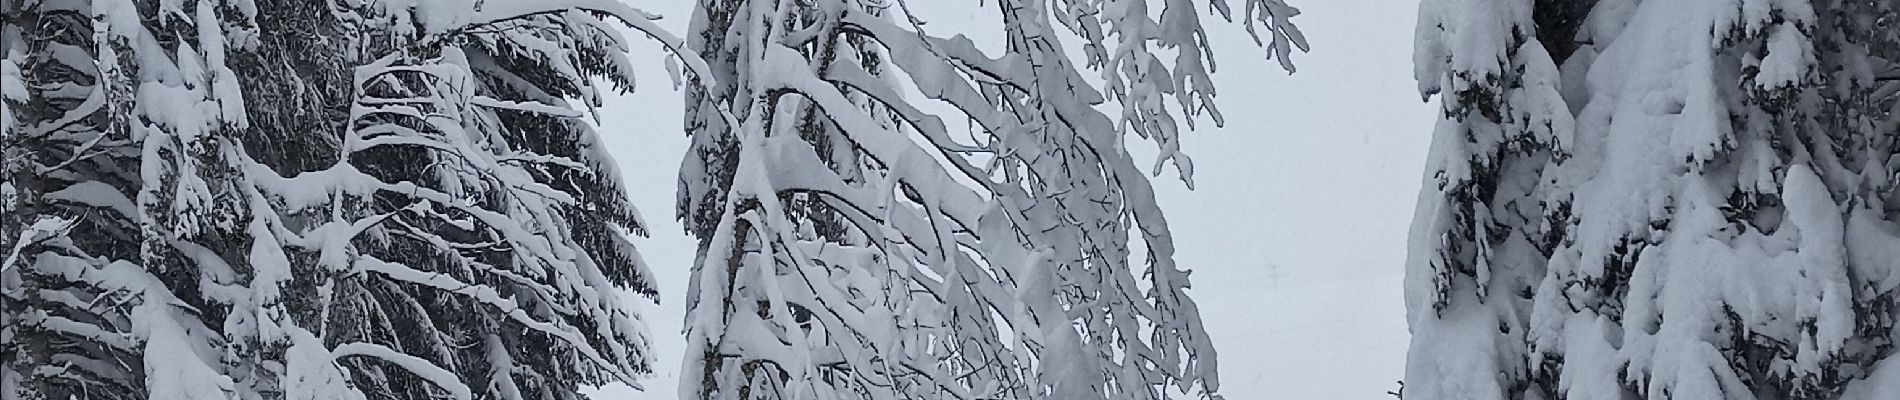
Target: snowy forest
column 426, row 199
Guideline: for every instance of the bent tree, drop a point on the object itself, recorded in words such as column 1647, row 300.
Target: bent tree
column 854, row 246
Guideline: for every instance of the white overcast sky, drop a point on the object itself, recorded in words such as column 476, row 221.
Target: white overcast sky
column 1295, row 232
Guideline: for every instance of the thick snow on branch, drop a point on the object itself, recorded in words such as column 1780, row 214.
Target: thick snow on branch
column 205, row 184
column 441, row 378
column 835, row 214
column 1660, row 199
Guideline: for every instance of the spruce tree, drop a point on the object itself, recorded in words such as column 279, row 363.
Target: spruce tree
column 1657, row 199
column 315, row 200
column 854, row 246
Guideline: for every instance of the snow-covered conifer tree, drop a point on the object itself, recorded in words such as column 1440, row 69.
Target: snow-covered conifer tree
column 314, row 200
column 853, row 246
column 1658, row 199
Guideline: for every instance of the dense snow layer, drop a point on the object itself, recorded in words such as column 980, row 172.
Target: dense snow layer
column 448, row 233
column 1704, row 229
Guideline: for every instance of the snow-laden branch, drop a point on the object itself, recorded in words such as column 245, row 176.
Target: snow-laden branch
column 489, row 296
column 428, row 371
